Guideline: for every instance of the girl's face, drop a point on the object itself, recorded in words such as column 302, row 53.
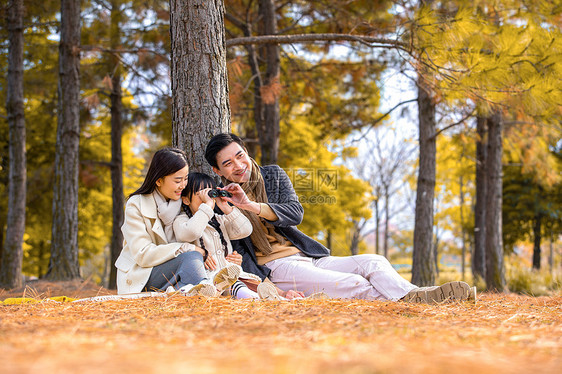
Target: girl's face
column 195, row 201
column 171, row 185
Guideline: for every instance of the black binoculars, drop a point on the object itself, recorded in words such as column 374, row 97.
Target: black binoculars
column 219, row 193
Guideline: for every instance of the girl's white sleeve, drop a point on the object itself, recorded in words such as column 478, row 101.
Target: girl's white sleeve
column 190, row 229
column 237, row 225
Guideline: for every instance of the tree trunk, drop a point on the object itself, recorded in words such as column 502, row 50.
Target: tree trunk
column 463, row 241
column 377, row 222
column 355, row 239
column 423, row 272
column 329, row 240
column 386, row 215
column 551, row 252
column 537, row 241
column 436, row 241
column 12, row 254
column 269, row 91
column 200, row 107
column 64, row 242
column 118, row 197
column 479, row 253
column 258, row 84
column 495, row 272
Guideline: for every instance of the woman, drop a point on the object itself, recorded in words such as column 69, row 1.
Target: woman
column 148, row 260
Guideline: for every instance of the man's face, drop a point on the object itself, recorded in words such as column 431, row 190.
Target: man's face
column 234, row 163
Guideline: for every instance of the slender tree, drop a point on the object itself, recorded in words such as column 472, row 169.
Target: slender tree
column 423, row 272
column 479, row 251
column 118, row 197
column 269, row 143
column 200, row 107
column 12, row 255
column 64, row 243
column 495, row 271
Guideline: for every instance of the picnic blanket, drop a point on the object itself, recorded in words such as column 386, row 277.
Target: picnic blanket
column 66, row 299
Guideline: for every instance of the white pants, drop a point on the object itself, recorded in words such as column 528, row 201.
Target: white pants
column 366, row 276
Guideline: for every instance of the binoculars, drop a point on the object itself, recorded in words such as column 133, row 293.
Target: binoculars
column 219, row 193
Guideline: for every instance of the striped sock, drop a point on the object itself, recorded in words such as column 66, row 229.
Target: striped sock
column 240, row 291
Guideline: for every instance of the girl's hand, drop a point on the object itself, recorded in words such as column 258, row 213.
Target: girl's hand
column 240, row 199
column 210, row 264
column 205, row 198
column 235, row 258
column 223, row 205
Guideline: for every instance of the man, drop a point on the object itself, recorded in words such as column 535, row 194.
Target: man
column 292, row 260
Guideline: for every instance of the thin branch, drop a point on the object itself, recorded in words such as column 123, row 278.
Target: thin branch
column 453, row 125
column 306, row 38
column 122, row 51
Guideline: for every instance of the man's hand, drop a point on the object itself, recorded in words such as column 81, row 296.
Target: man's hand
column 292, row 294
column 240, row 199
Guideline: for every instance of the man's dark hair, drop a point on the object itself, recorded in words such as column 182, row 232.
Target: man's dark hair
column 217, row 144
column 165, row 161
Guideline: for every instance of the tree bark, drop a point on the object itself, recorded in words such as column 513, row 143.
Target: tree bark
column 200, row 107
column 495, row 272
column 479, row 253
column 537, row 241
column 377, row 222
column 64, row 242
column 423, row 272
column 12, row 254
column 354, row 246
column 386, row 219
column 463, row 241
column 118, row 197
column 269, row 143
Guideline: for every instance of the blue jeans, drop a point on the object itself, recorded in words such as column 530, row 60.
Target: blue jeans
column 187, row 268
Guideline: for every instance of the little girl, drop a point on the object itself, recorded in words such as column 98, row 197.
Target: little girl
column 198, row 224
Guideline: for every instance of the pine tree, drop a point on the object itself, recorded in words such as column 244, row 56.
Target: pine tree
column 200, row 106
column 12, row 254
column 64, row 243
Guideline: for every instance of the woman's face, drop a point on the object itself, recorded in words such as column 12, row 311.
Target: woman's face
column 171, row 185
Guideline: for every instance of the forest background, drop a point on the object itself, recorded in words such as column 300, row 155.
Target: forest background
column 319, row 106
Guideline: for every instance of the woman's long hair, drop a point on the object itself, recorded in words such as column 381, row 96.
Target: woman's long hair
column 166, row 161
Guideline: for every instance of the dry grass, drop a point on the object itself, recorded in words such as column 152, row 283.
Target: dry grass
column 500, row 334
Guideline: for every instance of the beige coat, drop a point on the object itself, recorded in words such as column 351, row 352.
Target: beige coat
column 144, row 245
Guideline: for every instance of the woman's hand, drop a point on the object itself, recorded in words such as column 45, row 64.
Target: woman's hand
column 240, row 199
column 211, row 263
column 200, row 250
column 235, row 258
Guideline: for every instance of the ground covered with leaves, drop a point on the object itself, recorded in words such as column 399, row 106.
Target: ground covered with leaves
column 503, row 333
